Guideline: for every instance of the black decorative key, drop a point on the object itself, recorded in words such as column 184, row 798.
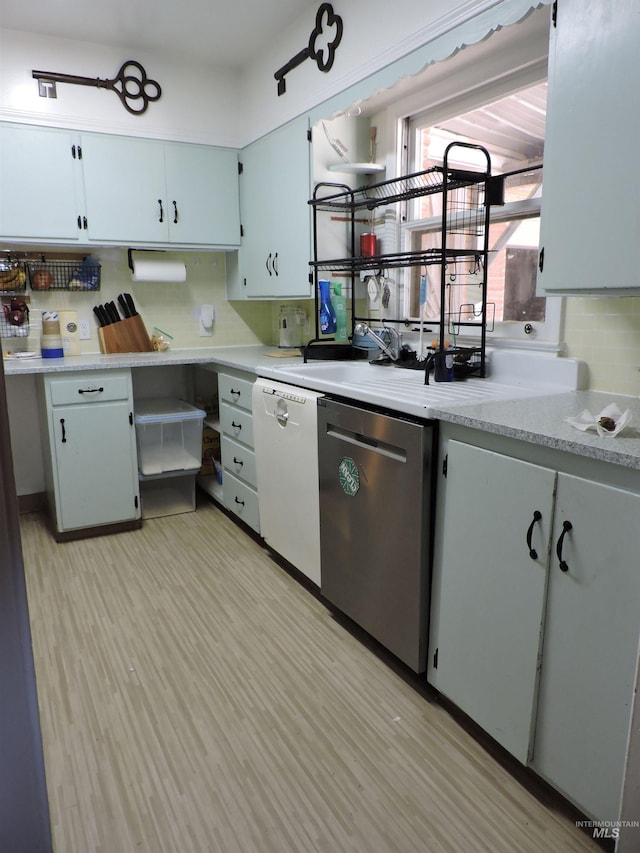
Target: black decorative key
column 326, row 21
column 130, row 84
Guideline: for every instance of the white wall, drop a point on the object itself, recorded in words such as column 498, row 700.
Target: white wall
column 198, row 104
column 376, row 34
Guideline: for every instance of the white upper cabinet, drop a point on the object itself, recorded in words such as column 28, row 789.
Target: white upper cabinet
column 125, row 189
column 591, row 199
column 202, row 195
column 40, row 185
column 148, row 191
column 276, row 222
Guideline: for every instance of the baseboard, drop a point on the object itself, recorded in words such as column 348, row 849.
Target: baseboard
column 32, row 503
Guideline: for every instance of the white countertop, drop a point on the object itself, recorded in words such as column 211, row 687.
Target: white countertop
column 541, row 420
column 239, row 357
column 514, row 402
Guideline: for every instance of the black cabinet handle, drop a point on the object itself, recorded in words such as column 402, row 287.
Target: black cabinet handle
column 64, row 434
column 268, row 264
column 91, row 390
column 238, row 461
column 79, row 222
column 274, row 263
column 233, row 391
column 235, row 425
column 175, row 212
column 161, row 219
column 541, row 259
column 238, row 501
column 566, row 527
column 537, row 515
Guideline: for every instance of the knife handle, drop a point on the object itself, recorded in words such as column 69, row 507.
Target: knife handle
column 113, row 312
column 123, row 304
column 132, row 307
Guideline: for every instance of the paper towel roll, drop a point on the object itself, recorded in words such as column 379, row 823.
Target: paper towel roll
column 158, row 270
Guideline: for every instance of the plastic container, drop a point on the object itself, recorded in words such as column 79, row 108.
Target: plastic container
column 168, row 436
column 162, row 496
column 327, row 313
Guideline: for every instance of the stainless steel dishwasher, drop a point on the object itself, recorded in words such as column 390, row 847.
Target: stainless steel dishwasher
column 375, row 523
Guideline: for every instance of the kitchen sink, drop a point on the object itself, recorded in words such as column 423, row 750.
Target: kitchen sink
column 513, row 375
column 391, row 387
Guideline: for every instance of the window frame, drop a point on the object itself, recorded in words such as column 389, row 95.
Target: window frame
column 453, row 90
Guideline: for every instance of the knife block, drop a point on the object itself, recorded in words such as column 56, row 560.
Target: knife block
column 128, row 335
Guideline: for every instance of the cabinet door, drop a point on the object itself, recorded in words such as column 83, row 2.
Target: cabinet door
column 591, row 205
column 38, row 178
column 492, row 591
column 125, row 191
column 590, row 646
column 202, row 195
column 95, row 464
column 274, row 195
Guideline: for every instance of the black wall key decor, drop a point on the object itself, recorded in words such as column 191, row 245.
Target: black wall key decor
column 130, row 84
column 328, row 26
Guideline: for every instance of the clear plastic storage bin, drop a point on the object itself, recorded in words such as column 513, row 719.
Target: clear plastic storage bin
column 168, row 436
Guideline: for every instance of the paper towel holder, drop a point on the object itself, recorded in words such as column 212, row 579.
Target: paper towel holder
column 130, row 258
column 161, row 270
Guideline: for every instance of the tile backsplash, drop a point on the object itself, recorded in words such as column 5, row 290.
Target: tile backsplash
column 169, row 306
column 605, row 333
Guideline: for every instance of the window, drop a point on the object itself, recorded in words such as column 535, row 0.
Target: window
column 511, row 128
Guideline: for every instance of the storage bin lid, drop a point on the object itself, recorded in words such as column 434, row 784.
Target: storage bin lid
column 165, row 411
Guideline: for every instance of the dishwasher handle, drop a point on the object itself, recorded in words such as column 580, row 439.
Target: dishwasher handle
column 384, row 448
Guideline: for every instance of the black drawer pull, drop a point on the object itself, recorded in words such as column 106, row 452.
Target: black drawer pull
column 238, row 461
column 161, row 217
column 90, row 390
column 64, row 434
column 238, row 501
column 175, row 213
column 537, row 515
column 235, row 425
column 566, row 527
column 233, row 391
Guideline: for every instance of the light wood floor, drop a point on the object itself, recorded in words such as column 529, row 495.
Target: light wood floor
column 195, row 697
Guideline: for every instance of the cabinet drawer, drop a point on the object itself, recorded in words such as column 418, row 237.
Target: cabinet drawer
column 241, row 500
column 236, row 423
column 239, row 460
column 95, row 387
column 235, row 391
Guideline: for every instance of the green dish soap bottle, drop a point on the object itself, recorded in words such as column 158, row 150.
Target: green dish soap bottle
column 340, row 308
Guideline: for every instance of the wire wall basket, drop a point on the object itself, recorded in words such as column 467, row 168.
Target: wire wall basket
column 13, row 278
column 63, row 275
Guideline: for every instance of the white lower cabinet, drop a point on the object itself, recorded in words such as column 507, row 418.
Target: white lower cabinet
column 535, row 619
column 239, row 490
column 91, row 460
column 590, row 645
column 492, row 593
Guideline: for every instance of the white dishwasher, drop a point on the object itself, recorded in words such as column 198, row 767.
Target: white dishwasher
column 285, row 420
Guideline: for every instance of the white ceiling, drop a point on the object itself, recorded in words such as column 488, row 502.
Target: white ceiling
column 222, row 33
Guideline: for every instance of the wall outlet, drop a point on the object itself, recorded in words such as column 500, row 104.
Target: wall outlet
column 84, row 327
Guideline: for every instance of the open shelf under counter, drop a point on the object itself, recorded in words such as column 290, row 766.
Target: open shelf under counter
column 209, row 484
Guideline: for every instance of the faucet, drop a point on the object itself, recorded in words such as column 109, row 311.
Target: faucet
column 387, row 349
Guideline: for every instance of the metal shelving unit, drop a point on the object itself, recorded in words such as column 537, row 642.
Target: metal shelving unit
column 463, row 245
